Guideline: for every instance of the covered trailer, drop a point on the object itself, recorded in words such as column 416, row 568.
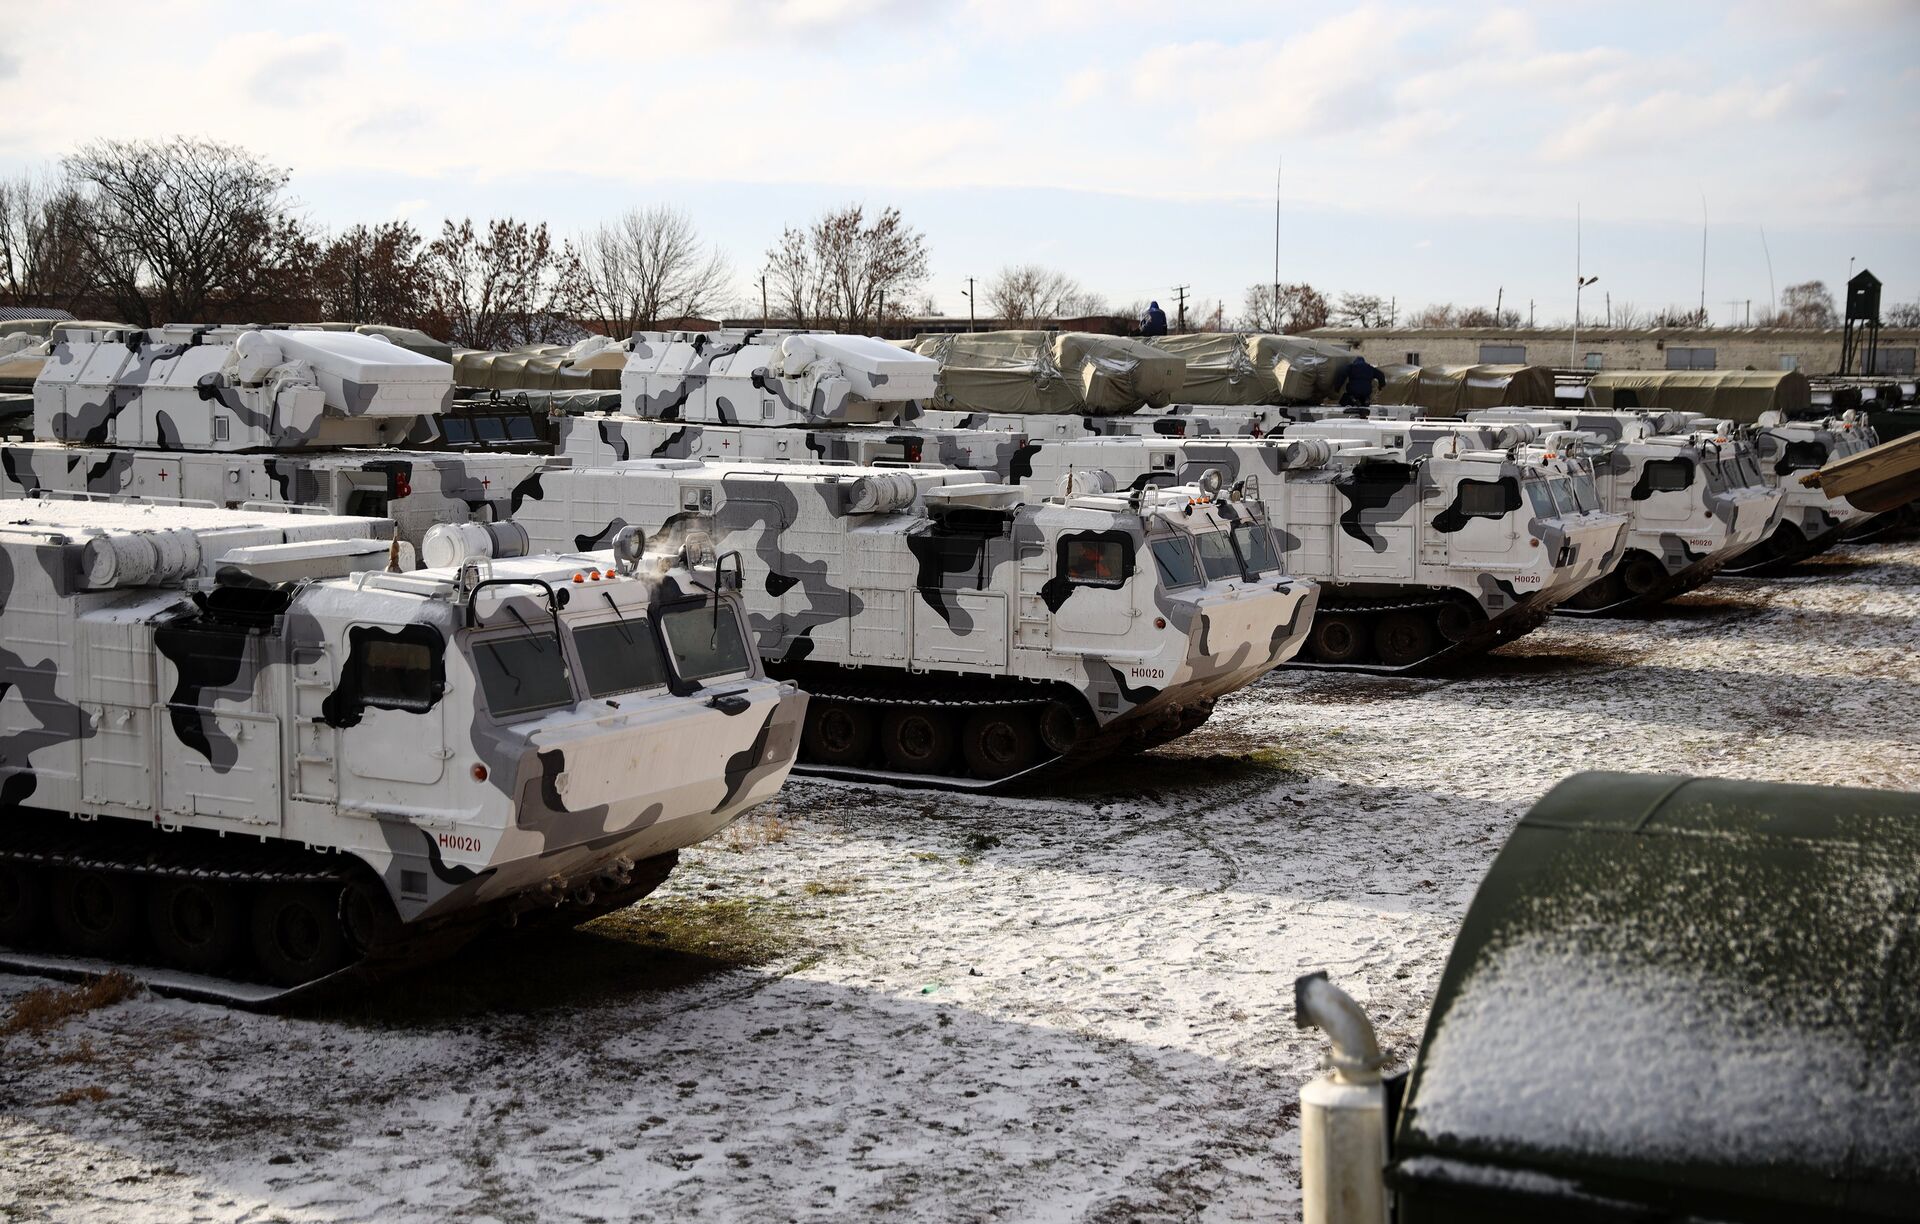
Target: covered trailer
column 1455, row 390
column 1740, row 396
column 1671, row 999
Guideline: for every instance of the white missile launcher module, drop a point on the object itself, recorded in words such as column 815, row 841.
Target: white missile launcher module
column 959, row 633
column 1430, row 544
column 235, row 415
column 771, row 378
column 1696, row 499
column 253, row 749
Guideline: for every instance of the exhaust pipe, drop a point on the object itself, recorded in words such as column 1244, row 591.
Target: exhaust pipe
column 1343, row 1114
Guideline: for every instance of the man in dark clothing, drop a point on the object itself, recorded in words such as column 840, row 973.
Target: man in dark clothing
column 1362, row 375
column 1155, row 324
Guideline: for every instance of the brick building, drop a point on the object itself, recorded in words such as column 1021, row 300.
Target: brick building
column 1812, row 351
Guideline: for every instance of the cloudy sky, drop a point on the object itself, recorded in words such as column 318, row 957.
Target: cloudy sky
column 1432, row 152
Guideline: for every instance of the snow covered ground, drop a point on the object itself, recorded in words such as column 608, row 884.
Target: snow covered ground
column 874, row 1004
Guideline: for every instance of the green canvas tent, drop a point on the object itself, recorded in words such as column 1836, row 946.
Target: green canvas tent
column 1736, row 395
column 1050, row 373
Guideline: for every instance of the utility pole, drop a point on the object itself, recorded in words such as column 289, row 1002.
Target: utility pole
column 1499, row 296
column 1182, row 291
column 1609, row 310
column 1279, row 166
column 763, row 304
column 1529, row 314
column 1703, row 261
column 970, row 311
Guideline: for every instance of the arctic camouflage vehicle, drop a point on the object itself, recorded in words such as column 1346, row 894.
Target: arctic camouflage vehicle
column 1431, row 543
column 1809, row 521
column 245, row 746
column 233, row 415
column 770, row 378
column 959, row 633
column 1696, row 500
column 1671, row 999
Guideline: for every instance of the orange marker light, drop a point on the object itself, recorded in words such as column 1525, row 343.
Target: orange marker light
column 479, row 773
column 579, row 577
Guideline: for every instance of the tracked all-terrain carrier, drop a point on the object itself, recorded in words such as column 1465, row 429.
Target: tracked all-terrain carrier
column 232, row 415
column 1809, row 521
column 960, row 633
column 1430, row 543
column 1696, row 499
column 253, row 749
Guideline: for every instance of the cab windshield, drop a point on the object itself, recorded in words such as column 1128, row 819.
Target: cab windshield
column 1584, row 493
column 520, row 673
column 1217, row 557
column 619, row 656
column 1256, row 547
column 703, row 644
column 1541, row 497
column 1174, row 556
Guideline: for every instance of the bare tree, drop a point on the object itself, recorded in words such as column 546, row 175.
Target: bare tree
column 374, row 274
column 503, row 287
column 1627, row 315
column 1297, row 308
column 42, row 261
column 1681, row 316
column 1486, row 316
column 844, row 269
column 1807, row 304
column 1905, row 314
column 646, row 266
column 1026, row 295
column 1362, row 310
column 187, row 229
column 1440, row 314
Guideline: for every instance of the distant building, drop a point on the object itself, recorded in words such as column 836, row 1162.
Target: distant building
column 1809, row 350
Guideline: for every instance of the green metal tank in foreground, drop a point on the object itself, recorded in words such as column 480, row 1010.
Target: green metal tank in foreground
column 1676, row 999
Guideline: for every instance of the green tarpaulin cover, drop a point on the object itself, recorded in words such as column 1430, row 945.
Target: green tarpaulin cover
column 1244, row 368
column 1050, row 373
column 1455, row 390
column 1737, row 395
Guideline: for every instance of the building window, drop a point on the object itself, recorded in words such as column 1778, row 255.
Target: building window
column 1789, row 361
column 1503, row 354
column 1689, row 358
column 1593, row 361
column 1413, row 359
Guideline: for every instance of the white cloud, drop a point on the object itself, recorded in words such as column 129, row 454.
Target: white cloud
column 289, row 72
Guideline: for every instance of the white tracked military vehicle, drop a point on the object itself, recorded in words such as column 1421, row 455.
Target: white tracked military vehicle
column 249, row 747
column 1430, row 544
column 232, row 415
column 959, row 633
column 1809, row 522
column 1696, row 499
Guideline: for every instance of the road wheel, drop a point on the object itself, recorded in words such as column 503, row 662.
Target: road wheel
column 1060, row 729
column 97, row 913
column 838, row 733
column 1404, row 638
column 297, row 934
column 23, row 904
column 195, row 924
column 1640, row 573
column 1336, row 637
column 1602, row 592
column 1457, row 622
column 915, row 740
column 998, row 741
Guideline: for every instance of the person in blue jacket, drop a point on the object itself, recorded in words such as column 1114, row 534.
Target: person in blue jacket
column 1362, row 376
column 1155, row 324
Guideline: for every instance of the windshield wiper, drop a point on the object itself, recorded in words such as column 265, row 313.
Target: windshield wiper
column 626, row 635
column 533, row 638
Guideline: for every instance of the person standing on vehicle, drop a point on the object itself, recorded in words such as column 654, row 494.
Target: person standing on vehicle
column 1155, row 324
column 1362, row 376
